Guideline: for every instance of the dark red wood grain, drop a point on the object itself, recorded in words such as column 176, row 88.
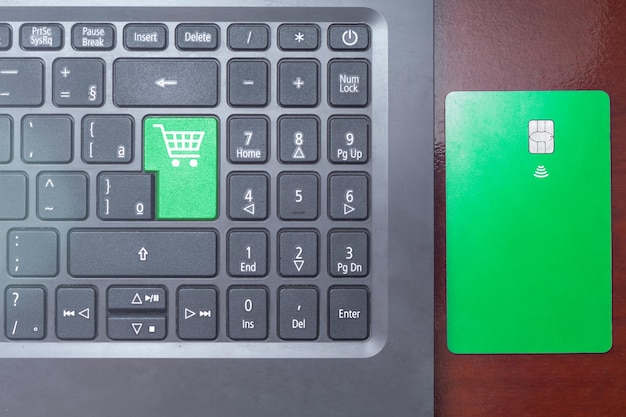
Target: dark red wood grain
column 532, row 45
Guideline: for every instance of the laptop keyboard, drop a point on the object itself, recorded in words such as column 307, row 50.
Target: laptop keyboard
column 176, row 183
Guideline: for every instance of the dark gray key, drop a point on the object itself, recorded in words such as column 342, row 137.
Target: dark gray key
column 142, row 253
column 32, row 253
column 247, row 196
column 145, row 37
column 76, row 313
column 247, row 139
column 6, row 139
column 134, row 299
column 348, row 254
column 298, row 37
column 21, row 82
column 247, row 313
column 5, row 37
column 125, row 196
column 348, row 313
column 107, row 139
column 25, row 317
column 348, row 82
column 298, row 253
column 62, row 196
column 298, row 82
column 247, row 253
column 41, row 36
column 248, row 82
column 152, row 327
column 47, row 139
column 348, row 140
column 78, row 82
column 198, row 37
column 297, row 313
column 248, row 37
column 197, row 313
column 348, row 196
column 93, row 37
column 298, row 196
column 348, row 37
column 165, row 82
column 13, row 184
column 298, row 139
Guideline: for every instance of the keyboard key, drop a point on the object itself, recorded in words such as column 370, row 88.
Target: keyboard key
column 248, row 196
column 183, row 152
column 297, row 310
column 152, row 327
column 13, row 184
column 248, row 37
column 348, row 37
column 298, row 37
column 348, row 82
column 248, row 82
column 93, row 37
column 6, row 139
column 348, row 140
column 33, row 253
column 247, row 139
column 145, row 37
column 21, row 82
column 125, row 196
column 298, row 82
column 247, row 253
column 197, row 313
column 298, row 139
column 348, row 196
column 25, row 313
column 78, row 82
column 5, row 37
column 247, row 313
column 62, row 196
column 348, row 313
column 298, row 196
column 348, row 253
column 298, row 253
column 41, row 36
column 47, row 139
column 197, row 37
column 76, row 313
column 136, row 299
column 107, row 139
column 142, row 253
column 165, row 82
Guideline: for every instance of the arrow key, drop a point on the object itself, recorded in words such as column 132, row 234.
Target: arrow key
column 197, row 313
column 76, row 313
column 152, row 327
column 348, row 196
column 132, row 299
column 247, row 196
column 298, row 253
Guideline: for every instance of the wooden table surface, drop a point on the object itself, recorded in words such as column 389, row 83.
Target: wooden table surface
column 532, row 45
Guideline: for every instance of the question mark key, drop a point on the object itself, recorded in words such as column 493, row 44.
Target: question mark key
column 25, row 313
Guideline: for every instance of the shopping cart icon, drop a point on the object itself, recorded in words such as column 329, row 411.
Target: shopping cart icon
column 182, row 144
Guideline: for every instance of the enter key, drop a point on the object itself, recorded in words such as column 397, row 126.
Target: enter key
column 182, row 152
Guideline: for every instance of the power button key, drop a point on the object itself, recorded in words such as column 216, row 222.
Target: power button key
column 349, row 37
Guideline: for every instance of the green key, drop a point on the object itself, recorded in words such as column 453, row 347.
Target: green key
column 182, row 152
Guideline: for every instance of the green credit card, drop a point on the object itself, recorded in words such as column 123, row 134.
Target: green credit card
column 528, row 222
